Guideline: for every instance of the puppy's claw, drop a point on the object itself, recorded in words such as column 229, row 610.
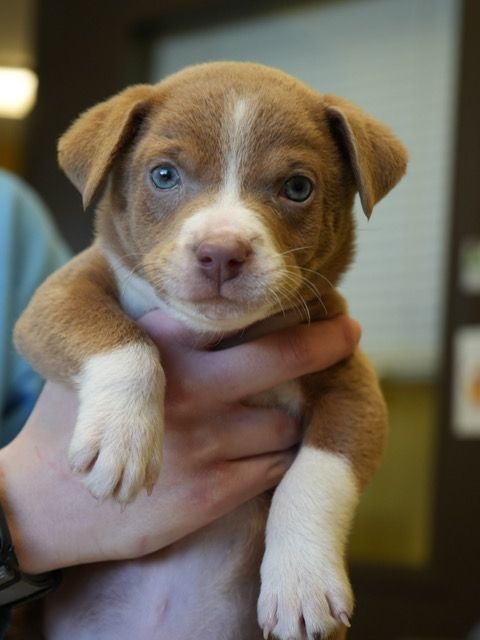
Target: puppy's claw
column 81, row 458
column 268, row 628
column 344, row 619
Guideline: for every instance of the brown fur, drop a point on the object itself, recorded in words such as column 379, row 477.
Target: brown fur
column 78, row 305
column 107, row 154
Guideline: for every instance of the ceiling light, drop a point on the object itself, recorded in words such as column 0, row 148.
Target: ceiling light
column 18, row 89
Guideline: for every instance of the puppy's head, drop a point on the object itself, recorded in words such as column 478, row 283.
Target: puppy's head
column 229, row 187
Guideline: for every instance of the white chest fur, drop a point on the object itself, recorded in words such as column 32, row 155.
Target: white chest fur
column 136, row 296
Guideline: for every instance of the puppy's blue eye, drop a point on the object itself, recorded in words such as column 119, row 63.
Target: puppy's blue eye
column 165, row 177
column 298, row 188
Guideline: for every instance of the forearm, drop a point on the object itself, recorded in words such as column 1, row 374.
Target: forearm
column 41, row 497
column 210, row 467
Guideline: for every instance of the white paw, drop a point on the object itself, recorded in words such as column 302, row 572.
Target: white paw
column 300, row 600
column 118, row 458
column 305, row 592
column 117, row 442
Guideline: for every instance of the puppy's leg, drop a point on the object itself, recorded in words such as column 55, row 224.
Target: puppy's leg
column 305, row 590
column 74, row 332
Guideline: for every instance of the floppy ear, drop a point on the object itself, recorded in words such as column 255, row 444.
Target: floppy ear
column 376, row 157
column 87, row 151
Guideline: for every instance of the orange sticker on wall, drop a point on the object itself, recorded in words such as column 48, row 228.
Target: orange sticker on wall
column 466, row 382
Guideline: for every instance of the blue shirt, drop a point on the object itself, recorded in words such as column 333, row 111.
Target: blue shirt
column 30, row 249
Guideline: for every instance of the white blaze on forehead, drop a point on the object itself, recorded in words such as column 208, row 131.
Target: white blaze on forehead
column 230, row 216
column 238, row 123
column 226, row 212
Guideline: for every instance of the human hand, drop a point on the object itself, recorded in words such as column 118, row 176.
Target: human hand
column 218, row 453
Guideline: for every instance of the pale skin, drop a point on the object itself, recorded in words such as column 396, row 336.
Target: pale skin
column 217, row 452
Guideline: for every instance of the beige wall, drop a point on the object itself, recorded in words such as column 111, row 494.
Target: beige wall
column 17, row 22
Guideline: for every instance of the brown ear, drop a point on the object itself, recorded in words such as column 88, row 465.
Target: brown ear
column 376, row 157
column 87, row 150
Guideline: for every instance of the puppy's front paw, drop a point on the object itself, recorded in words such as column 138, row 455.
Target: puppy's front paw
column 302, row 598
column 305, row 590
column 117, row 442
column 118, row 459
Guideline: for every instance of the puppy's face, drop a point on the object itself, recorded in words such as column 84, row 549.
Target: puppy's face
column 231, row 188
column 234, row 201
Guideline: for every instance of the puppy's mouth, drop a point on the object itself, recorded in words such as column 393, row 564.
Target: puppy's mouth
column 219, row 312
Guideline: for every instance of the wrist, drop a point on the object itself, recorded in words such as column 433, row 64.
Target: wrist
column 20, row 505
column 16, row 586
column 34, row 495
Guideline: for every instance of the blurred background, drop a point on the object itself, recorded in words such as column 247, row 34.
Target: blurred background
column 416, row 282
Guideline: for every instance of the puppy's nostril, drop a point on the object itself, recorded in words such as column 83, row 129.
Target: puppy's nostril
column 222, row 259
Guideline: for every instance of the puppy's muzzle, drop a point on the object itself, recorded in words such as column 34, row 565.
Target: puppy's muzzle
column 222, row 258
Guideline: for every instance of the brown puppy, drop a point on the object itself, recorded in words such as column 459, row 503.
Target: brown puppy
column 225, row 197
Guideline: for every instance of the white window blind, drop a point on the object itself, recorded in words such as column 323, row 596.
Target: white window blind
column 398, row 61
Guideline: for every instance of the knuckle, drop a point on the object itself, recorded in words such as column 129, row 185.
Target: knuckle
column 278, row 467
column 178, row 401
column 284, row 430
column 217, row 489
column 208, row 448
column 350, row 333
column 280, row 429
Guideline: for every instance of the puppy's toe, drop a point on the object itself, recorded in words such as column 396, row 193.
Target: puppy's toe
column 132, row 481
column 267, row 614
column 302, row 599
column 104, row 477
column 153, row 470
column 83, row 451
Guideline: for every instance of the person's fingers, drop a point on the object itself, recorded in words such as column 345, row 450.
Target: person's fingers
column 245, row 479
column 254, row 431
column 262, row 364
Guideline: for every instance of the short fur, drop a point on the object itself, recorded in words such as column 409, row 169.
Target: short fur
column 236, row 132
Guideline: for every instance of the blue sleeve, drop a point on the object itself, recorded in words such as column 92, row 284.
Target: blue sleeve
column 30, row 249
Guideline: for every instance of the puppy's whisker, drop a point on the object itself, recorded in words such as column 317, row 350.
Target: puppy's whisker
column 284, row 253
column 289, row 277
column 316, row 293
column 290, row 270
column 288, row 273
column 318, row 274
column 296, row 300
column 279, row 301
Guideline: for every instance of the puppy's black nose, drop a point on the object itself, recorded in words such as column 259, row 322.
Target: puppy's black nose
column 222, row 259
